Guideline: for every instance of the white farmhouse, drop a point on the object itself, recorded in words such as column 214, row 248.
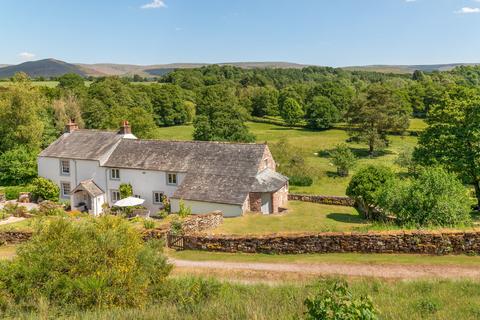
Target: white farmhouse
column 89, row 166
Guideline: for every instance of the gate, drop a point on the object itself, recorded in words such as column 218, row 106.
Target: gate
column 175, row 242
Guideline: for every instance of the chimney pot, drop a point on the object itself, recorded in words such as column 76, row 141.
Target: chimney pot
column 71, row 126
column 125, row 128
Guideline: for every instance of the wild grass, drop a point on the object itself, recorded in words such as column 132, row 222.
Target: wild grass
column 188, row 298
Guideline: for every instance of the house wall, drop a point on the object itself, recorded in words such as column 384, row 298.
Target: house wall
column 267, row 161
column 280, row 198
column 200, row 207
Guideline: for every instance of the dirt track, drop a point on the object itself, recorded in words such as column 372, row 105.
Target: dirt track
column 386, row 271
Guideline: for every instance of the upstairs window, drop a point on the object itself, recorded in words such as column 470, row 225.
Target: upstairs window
column 172, row 179
column 115, row 174
column 65, row 167
column 158, row 197
column 65, row 189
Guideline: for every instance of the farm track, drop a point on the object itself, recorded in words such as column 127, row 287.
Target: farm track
column 385, row 271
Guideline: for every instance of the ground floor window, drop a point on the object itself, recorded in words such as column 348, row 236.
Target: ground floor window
column 115, row 195
column 65, row 189
column 158, row 197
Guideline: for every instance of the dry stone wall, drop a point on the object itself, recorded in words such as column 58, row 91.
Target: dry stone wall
column 330, row 200
column 439, row 243
column 14, row 237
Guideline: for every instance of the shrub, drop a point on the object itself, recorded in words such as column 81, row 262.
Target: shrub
column 50, row 208
column 44, row 189
column 91, row 263
column 365, row 187
column 13, row 209
column 13, row 192
column 300, row 181
column 18, row 166
column 125, row 190
column 190, row 293
column 434, row 198
column 184, row 211
column 338, row 303
column 176, row 227
column 343, row 158
column 148, row 224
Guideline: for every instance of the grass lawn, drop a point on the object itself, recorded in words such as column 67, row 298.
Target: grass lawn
column 340, row 258
column 300, row 217
column 310, row 142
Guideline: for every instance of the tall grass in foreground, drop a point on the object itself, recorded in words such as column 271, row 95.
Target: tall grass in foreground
column 195, row 298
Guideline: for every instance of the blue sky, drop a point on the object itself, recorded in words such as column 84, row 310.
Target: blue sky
column 322, row 32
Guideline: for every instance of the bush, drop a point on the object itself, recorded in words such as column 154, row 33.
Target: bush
column 148, row 224
column 190, row 293
column 343, row 158
column 125, row 190
column 18, row 166
column 338, row 303
column 13, row 192
column 184, row 211
column 435, row 198
column 44, row 189
column 300, row 181
column 13, row 209
column 91, row 263
column 49, row 208
column 365, row 187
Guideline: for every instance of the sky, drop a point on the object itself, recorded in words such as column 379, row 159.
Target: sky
column 320, row 32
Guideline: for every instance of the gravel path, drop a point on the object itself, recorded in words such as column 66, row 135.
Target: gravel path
column 360, row 270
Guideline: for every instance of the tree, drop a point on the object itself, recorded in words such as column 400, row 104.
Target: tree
column 291, row 112
column 170, row 104
column 343, row 158
column 378, row 111
column 44, row 189
column 435, row 198
column 321, row 113
column 90, row 263
column 126, row 190
column 20, row 108
column 365, row 186
column 65, row 109
column 405, row 160
column 71, row 82
column 18, row 166
column 452, row 138
column 339, row 92
column 265, row 102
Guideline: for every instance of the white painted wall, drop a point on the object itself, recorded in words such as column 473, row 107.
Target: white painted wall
column 200, row 207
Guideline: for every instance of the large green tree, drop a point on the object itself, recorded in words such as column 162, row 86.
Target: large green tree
column 291, row 112
column 378, row 111
column 452, row 138
column 321, row 113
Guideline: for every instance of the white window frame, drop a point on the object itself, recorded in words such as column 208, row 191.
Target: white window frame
column 64, row 195
column 154, row 196
column 62, row 167
column 112, row 197
column 172, row 174
column 112, row 176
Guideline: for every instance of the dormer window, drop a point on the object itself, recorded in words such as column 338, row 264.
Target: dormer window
column 172, row 179
column 114, row 174
column 65, row 167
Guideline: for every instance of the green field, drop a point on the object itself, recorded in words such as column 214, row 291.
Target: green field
column 300, row 217
column 310, row 142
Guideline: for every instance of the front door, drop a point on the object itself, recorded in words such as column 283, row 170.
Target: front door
column 266, row 203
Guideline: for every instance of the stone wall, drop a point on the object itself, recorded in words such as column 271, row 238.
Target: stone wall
column 440, row 243
column 202, row 222
column 330, row 200
column 255, row 202
column 14, row 237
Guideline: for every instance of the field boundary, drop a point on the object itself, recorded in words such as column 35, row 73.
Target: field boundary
column 328, row 200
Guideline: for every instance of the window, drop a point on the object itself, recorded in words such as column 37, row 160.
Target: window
column 158, row 197
column 65, row 189
column 172, row 179
column 115, row 194
column 65, row 167
column 266, row 163
column 115, row 174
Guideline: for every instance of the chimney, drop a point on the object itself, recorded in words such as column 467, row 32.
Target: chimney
column 125, row 128
column 71, row 126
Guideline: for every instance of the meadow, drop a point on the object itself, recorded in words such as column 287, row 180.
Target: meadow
column 312, row 145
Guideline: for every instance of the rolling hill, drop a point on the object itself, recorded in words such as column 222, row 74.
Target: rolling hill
column 51, row 68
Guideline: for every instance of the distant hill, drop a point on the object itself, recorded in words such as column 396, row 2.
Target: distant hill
column 53, row 68
column 409, row 68
column 42, row 68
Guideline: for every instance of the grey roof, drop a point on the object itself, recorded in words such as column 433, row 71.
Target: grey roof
column 82, row 144
column 268, row 181
column 89, row 186
column 216, row 171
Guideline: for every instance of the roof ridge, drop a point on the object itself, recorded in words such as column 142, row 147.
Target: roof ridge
column 200, row 142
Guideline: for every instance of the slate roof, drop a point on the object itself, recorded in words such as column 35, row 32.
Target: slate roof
column 89, row 186
column 268, row 181
column 82, row 145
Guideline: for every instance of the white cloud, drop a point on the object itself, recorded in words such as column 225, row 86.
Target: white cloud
column 467, row 10
column 26, row 55
column 155, row 4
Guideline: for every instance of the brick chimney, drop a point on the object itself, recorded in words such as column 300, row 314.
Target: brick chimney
column 71, row 126
column 125, row 128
